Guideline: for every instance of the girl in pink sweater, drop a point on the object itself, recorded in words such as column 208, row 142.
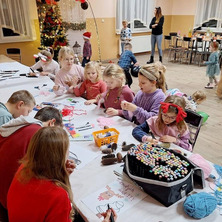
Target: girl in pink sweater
column 93, row 84
column 116, row 90
column 69, row 73
column 169, row 125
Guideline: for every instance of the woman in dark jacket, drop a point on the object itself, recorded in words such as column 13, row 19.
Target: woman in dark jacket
column 157, row 29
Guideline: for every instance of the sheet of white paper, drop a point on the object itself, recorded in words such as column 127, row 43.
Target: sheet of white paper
column 120, row 195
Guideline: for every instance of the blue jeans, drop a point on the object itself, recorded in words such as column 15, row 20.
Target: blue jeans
column 122, row 46
column 156, row 39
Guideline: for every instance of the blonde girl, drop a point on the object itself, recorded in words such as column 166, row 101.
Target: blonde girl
column 41, row 185
column 147, row 100
column 169, row 125
column 69, row 73
column 93, row 84
column 49, row 66
column 213, row 67
column 117, row 91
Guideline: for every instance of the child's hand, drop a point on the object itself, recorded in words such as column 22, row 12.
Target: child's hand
column 128, row 106
column 112, row 112
column 98, row 97
column 107, row 215
column 55, row 88
column 136, row 64
column 167, row 139
column 150, row 140
column 89, row 102
column 70, row 166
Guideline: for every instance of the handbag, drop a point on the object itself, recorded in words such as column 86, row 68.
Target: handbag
column 167, row 193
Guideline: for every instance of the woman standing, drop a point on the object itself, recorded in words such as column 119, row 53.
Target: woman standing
column 157, row 29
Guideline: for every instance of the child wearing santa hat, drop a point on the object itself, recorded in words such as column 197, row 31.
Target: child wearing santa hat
column 87, row 50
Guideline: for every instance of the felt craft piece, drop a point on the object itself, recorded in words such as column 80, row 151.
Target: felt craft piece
column 103, row 121
column 200, row 205
column 202, row 163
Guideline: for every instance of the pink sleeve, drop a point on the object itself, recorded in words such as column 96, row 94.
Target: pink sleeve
column 62, row 88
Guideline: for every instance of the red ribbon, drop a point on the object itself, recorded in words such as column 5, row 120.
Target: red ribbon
column 181, row 113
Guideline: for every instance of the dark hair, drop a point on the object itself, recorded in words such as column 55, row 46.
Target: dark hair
column 48, row 113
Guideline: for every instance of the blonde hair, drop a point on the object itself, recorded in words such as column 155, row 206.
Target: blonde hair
column 116, row 72
column 46, row 158
column 48, row 52
column 155, row 72
column 22, row 95
column 65, row 51
column 125, row 21
column 128, row 46
column 179, row 101
column 199, row 95
column 96, row 66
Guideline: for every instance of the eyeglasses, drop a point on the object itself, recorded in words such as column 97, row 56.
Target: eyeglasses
column 74, row 157
column 168, row 117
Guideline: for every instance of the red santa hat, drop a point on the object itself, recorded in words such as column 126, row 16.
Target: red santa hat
column 87, row 35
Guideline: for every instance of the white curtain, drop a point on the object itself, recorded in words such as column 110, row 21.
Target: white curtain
column 206, row 10
column 134, row 9
column 14, row 14
column 71, row 11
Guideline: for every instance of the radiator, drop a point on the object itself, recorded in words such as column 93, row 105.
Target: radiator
column 139, row 44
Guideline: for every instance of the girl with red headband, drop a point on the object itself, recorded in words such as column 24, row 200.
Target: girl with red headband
column 169, row 125
column 213, row 67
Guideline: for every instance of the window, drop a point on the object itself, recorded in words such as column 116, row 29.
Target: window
column 138, row 13
column 15, row 21
column 208, row 15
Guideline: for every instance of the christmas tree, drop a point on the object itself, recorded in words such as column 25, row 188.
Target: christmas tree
column 52, row 32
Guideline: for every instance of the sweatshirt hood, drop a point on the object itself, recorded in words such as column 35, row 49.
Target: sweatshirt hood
column 15, row 124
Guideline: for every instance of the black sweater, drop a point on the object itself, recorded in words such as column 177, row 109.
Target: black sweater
column 158, row 30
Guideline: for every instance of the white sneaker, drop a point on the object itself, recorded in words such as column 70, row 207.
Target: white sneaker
column 209, row 86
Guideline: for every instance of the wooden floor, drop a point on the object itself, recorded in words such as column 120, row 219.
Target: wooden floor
column 189, row 78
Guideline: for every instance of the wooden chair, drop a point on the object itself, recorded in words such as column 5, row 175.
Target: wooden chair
column 194, row 122
column 14, row 53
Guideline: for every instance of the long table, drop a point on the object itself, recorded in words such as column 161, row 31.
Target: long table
column 90, row 175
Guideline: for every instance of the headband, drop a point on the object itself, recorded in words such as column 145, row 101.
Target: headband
column 181, row 113
column 148, row 75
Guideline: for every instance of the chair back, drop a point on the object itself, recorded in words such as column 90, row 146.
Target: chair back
column 14, row 53
column 194, row 122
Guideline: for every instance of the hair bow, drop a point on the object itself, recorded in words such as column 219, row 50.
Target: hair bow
column 181, row 113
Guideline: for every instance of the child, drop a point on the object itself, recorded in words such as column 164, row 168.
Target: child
column 49, row 66
column 87, row 49
column 192, row 101
column 41, row 185
column 116, row 92
column 92, row 85
column 147, row 100
column 20, row 103
column 125, row 35
column 213, row 68
column 169, row 125
column 125, row 61
column 69, row 72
